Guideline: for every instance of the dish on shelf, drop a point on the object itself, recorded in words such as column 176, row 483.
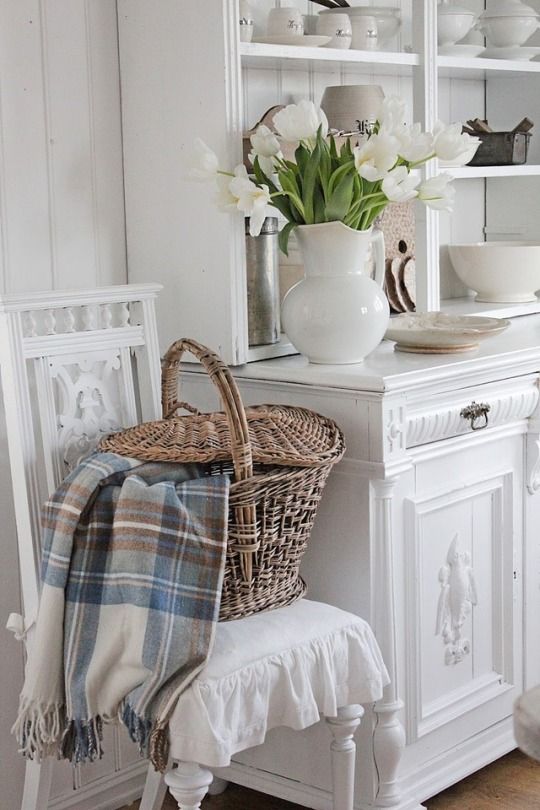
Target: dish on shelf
column 306, row 41
column 499, row 272
column 461, row 50
column 388, row 20
column 522, row 54
column 439, row 333
column 453, row 22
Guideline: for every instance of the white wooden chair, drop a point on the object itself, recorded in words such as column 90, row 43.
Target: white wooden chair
column 76, row 366
column 283, row 667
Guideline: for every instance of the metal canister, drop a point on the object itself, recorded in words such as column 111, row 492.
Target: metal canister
column 262, row 266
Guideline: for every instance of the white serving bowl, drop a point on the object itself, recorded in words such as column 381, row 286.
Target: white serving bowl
column 506, row 32
column 453, row 23
column 499, row 272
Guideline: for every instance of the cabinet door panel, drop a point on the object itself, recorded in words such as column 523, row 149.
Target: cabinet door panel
column 462, row 550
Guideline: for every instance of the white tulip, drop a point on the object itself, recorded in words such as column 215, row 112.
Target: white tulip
column 376, row 156
column 392, row 114
column 399, row 185
column 300, row 122
column 251, row 199
column 437, row 192
column 224, row 200
column 265, row 142
column 206, row 164
column 415, row 146
column 266, row 147
column 452, row 146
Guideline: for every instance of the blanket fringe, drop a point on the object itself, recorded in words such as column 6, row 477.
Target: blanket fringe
column 138, row 728
column 159, row 748
column 39, row 728
column 153, row 741
column 82, row 740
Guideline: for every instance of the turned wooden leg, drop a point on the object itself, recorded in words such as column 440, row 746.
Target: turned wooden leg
column 343, row 750
column 188, row 784
column 218, row 786
column 154, row 790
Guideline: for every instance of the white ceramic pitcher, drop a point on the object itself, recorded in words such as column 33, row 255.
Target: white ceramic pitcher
column 337, row 313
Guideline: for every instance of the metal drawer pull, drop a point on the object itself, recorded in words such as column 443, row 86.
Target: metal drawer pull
column 475, row 411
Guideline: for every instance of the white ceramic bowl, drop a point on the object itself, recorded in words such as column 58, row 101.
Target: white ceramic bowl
column 505, row 32
column 453, row 27
column 499, row 272
column 388, row 20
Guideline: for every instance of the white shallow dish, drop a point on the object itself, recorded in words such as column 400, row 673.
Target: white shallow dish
column 306, row 41
column 439, row 333
column 461, row 50
column 521, row 54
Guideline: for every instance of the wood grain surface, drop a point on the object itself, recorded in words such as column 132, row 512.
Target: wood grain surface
column 511, row 783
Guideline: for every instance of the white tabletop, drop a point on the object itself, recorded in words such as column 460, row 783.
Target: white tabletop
column 515, row 351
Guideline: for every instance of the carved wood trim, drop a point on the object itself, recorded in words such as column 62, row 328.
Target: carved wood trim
column 445, row 421
column 457, row 597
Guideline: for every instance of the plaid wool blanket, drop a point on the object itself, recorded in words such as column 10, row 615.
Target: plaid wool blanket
column 133, row 561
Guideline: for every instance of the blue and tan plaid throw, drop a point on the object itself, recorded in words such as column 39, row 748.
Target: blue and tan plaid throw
column 133, row 561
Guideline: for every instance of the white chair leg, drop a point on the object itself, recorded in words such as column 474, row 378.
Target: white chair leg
column 217, row 787
column 343, row 750
column 188, row 784
column 37, row 785
column 154, row 790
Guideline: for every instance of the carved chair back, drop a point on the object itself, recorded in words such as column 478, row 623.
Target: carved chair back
column 74, row 367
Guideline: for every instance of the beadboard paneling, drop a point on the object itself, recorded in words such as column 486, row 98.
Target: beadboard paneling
column 61, row 195
column 61, row 225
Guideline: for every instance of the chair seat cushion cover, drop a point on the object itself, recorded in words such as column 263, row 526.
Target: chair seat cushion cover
column 284, row 667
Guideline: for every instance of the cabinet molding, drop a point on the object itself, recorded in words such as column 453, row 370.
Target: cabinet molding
column 487, row 507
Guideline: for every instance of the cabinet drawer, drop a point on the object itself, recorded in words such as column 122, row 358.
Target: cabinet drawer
column 471, row 409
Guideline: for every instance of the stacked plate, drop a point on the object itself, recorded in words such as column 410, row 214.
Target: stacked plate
column 439, row 333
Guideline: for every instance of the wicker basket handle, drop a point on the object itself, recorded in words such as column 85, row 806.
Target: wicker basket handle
column 228, row 390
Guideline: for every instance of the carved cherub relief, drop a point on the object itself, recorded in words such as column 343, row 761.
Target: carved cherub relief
column 458, row 595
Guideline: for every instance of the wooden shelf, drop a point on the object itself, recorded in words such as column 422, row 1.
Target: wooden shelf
column 473, row 172
column 260, row 55
column 469, row 306
column 479, row 68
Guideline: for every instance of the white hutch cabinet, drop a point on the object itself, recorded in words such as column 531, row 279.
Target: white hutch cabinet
column 185, row 74
column 427, row 527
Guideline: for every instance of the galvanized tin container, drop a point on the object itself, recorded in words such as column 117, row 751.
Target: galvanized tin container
column 262, row 266
column 501, row 149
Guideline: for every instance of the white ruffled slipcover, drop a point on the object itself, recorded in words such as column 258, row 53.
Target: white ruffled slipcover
column 284, row 667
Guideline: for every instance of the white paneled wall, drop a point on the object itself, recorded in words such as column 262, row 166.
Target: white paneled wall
column 61, row 198
column 61, row 221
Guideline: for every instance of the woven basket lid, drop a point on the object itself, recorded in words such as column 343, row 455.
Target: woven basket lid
column 280, row 435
